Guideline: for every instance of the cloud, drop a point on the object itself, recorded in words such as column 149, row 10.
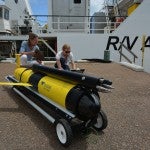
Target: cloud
column 96, row 5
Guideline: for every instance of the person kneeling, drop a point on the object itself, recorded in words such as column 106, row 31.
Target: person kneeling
column 64, row 57
column 29, row 49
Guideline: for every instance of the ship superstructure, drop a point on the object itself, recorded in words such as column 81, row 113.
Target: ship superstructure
column 18, row 15
column 69, row 16
column 15, row 20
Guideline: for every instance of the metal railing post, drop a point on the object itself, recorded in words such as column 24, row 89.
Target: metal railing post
column 126, row 48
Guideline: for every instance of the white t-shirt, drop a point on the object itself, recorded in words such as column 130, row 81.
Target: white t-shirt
column 68, row 59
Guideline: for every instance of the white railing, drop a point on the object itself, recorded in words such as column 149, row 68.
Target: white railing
column 77, row 24
column 57, row 29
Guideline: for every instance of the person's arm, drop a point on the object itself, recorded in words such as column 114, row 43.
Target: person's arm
column 59, row 65
column 28, row 53
column 73, row 64
column 58, row 55
column 72, row 61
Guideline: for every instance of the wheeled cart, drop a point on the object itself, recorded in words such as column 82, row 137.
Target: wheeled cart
column 65, row 118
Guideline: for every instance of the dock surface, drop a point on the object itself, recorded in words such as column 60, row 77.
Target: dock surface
column 127, row 108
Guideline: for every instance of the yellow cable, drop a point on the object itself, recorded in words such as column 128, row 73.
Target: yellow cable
column 17, row 84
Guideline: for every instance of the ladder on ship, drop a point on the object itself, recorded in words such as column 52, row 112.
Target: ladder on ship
column 111, row 11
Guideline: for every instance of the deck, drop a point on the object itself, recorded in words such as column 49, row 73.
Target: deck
column 127, row 109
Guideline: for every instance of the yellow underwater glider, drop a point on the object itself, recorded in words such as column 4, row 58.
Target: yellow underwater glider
column 69, row 100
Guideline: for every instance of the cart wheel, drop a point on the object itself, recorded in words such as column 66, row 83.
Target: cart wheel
column 64, row 132
column 101, row 121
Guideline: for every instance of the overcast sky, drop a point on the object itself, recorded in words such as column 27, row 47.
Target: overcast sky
column 96, row 5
